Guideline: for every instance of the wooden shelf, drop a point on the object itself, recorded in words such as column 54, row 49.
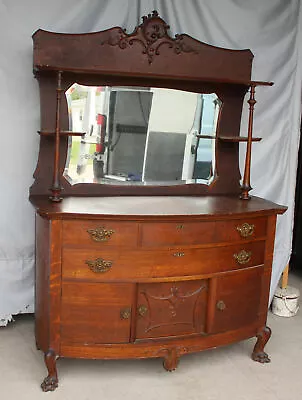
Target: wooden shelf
column 206, row 137
column 236, row 139
column 232, row 139
column 62, row 133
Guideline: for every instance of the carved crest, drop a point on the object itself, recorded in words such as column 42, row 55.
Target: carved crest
column 151, row 35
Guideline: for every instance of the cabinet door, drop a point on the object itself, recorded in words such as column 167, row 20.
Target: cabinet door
column 171, row 309
column 237, row 300
column 94, row 313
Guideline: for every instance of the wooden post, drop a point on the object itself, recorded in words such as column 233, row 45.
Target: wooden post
column 284, row 281
column 56, row 184
column 246, row 183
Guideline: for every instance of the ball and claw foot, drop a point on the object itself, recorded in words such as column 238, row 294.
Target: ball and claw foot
column 49, row 384
column 261, row 357
column 262, row 338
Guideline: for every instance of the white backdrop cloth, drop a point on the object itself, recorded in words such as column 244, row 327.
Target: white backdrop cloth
column 270, row 28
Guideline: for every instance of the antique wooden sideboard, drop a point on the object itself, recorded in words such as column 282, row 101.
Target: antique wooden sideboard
column 128, row 267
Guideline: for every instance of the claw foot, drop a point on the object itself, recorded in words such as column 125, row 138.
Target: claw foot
column 262, row 338
column 261, row 357
column 49, row 384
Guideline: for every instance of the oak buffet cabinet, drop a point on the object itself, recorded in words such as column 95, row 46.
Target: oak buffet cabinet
column 137, row 265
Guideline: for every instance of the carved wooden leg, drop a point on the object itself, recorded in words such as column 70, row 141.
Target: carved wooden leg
column 171, row 360
column 50, row 383
column 262, row 338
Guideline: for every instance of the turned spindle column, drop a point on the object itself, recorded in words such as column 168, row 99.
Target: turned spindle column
column 56, row 184
column 246, row 183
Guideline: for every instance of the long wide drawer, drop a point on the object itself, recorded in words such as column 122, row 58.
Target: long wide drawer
column 127, row 265
column 157, row 234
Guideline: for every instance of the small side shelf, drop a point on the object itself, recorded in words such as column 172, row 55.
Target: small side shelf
column 62, row 133
column 235, row 139
column 232, row 139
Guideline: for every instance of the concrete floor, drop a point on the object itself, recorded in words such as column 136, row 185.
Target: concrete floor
column 226, row 373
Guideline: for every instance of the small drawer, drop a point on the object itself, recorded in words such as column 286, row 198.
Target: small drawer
column 177, row 233
column 99, row 233
column 111, row 265
column 240, row 229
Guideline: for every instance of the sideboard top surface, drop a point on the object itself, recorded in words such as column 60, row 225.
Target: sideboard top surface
column 205, row 207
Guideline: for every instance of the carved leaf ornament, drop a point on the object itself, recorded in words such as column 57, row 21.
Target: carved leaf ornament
column 151, row 35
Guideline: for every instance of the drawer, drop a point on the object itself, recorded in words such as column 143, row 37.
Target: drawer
column 202, row 232
column 240, row 229
column 129, row 265
column 177, row 233
column 99, row 233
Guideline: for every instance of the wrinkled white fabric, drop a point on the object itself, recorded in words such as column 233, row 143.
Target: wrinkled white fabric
column 271, row 29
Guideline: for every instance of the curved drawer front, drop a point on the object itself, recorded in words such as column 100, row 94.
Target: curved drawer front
column 158, row 234
column 202, row 232
column 99, row 234
column 128, row 265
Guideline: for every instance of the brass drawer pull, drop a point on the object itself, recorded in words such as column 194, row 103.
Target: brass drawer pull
column 125, row 313
column 179, row 254
column 180, row 226
column 243, row 257
column 221, row 305
column 100, row 234
column 142, row 310
column 99, row 265
column 245, row 229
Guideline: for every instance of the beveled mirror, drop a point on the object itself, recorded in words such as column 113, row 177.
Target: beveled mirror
column 141, row 135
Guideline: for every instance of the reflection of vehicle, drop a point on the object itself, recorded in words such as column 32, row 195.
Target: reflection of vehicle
column 131, row 130
column 98, row 163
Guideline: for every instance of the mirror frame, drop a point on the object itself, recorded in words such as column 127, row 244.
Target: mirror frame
column 142, row 58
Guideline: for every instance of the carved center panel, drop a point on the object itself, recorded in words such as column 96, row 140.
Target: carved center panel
column 171, row 309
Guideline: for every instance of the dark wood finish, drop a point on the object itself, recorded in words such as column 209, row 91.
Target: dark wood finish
column 142, row 265
column 237, row 300
column 51, row 382
column 56, row 182
column 89, row 234
column 171, row 309
column 246, row 183
column 62, row 133
column 236, row 139
column 147, row 57
column 91, row 313
column 148, row 276
column 148, row 51
column 262, row 338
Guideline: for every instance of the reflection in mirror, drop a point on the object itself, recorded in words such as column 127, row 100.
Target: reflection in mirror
column 141, row 136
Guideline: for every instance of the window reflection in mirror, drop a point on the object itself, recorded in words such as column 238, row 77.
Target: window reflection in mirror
column 141, row 136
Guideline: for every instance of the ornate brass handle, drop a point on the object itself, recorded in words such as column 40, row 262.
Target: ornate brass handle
column 245, row 229
column 100, row 234
column 179, row 254
column 220, row 305
column 243, row 257
column 180, row 226
column 99, row 265
column 125, row 313
column 142, row 310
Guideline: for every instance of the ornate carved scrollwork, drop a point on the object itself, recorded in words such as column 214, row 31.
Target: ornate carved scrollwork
column 151, row 35
column 100, row 234
column 99, row 265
